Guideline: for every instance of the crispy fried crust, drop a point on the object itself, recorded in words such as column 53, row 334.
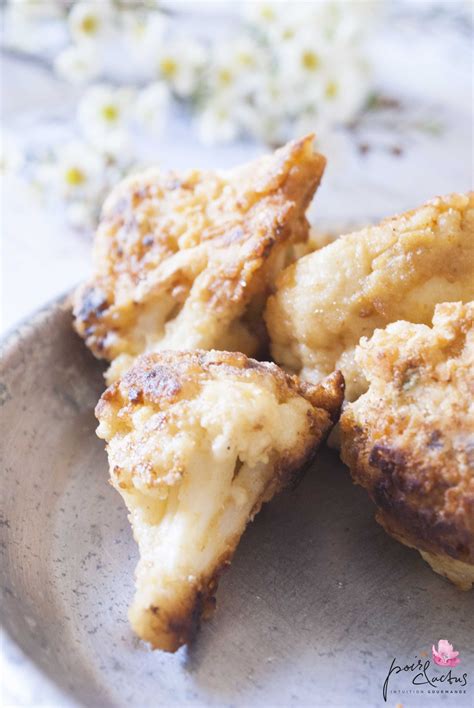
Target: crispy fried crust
column 399, row 270
column 165, row 378
column 458, row 572
column 185, row 261
column 410, row 439
column 197, row 442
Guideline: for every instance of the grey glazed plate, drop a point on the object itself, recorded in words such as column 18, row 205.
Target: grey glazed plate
column 316, row 605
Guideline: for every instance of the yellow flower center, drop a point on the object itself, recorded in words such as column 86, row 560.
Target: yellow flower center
column 222, row 115
column 74, row 176
column 310, row 60
column 110, row 113
column 267, row 13
column 89, row 24
column 168, row 67
column 225, row 77
column 332, row 89
column 245, row 59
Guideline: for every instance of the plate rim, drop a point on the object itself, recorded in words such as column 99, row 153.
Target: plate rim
column 16, row 663
column 12, row 332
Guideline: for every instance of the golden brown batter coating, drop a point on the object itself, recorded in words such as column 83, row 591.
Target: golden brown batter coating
column 410, row 439
column 197, row 442
column 398, row 270
column 186, row 261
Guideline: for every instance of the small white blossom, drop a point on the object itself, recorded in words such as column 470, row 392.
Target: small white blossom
column 331, row 21
column 143, row 34
column 116, row 146
column 81, row 177
column 217, row 123
column 301, row 61
column 35, row 9
column 151, row 106
column 11, row 157
column 45, row 178
column 265, row 15
column 345, row 85
column 89, row 21
column 246, row 54
column 78, row 64
column 103, row 113
column 78, row 171
column 81, row 214
column 311, row 120
column 235, row 67
column 266, row 115
column 345, row 22
column 280, row 22
column 20, row 22
column 271, row 128
column 180, row 63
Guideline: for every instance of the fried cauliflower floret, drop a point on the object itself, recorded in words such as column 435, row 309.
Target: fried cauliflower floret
column 400, row 269
column 316, row 239
column 197, row 441
column 410, row 439
column 185, row 261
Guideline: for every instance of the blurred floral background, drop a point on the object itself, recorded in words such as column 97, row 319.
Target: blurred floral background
column 95, row 89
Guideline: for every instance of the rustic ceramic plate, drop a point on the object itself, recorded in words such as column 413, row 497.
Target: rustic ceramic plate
column 316, row 605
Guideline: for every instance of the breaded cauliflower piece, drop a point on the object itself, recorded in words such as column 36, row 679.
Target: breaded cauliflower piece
column 316, row 239
column 410, row 439
column 197, row 441
column 400, row 269
column 185, row 261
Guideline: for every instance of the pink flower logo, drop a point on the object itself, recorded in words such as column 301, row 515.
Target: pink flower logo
column 445, row 654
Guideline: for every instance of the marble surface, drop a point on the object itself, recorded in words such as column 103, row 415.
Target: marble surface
column 422, row 58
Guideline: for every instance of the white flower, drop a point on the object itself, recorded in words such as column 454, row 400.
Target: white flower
column 332, row 20
column 265, row 15
column 45, row 178
column 115, row 146
column 317, row 73
column 78, row 171
column 88, row 21
column 11, row 157
column 104, row 112
column 81, row 214
column 235, row 66
column 311, row 120
column 301, row 60
column 345, row 87
column 180, row 64
column 266, row 116
column 246, row 54
column 346, row 22
column 319, row 77
column 35, row 9
column 279, row 22
column 21, row 20
column 217, row 123
column 143, row 34
column 151, row 106
column 269, row 127
column 77, row 64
